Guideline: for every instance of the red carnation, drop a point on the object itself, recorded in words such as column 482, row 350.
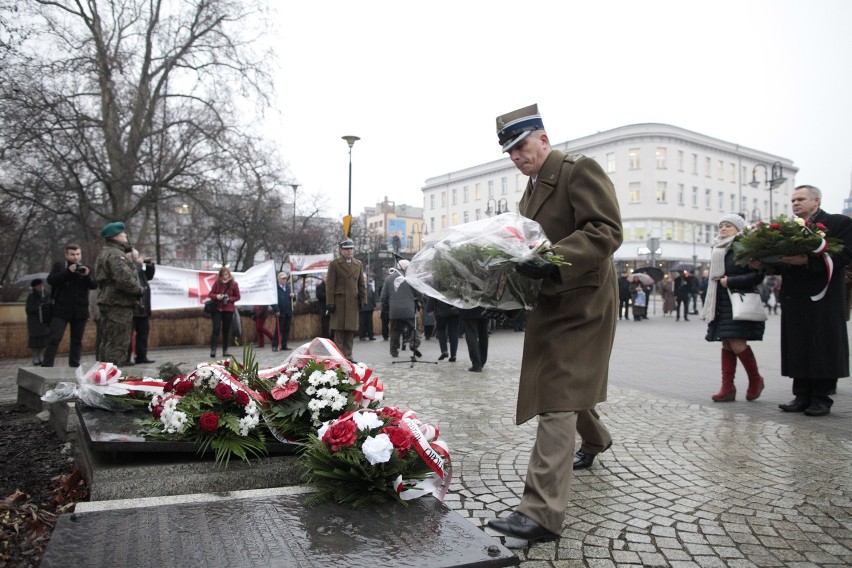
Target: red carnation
column 157, row 411
column 391, row 412
column 821, row 227
column 400, row 438
column 242, row 398
column 340, row 435
column 774, row 226
column 223, row 391
column 183, row 387
column 209, row 421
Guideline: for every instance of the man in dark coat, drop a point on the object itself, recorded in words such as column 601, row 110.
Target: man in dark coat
column 570, row 331
column 814, row 342
column 70, row 281
column 142, row 311
column 368, row 306
column 344, row 286
column 682, row 288
column 624, row 297
column 283, row 311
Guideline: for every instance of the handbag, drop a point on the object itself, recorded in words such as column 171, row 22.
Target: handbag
column 209, row 307
column 747, row 306
column 45, row 312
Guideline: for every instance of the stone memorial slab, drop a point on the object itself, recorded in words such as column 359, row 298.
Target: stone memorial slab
column 33, row 382
column 272, row 532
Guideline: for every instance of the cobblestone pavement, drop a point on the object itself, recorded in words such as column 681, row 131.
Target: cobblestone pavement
column 686, row 483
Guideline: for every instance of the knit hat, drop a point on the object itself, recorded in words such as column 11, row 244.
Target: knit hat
column 734, row 220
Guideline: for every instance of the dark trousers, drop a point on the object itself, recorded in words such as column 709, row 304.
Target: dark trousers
column 284, row 327
column 221, row 324
column 365, row 325
column 385, row 326
column 447, row 328
column 397, row 329
column 624, row 308
column 814, row 390
column 57, row 330
column 142, row 327
column 476, row 335
column 685, row 304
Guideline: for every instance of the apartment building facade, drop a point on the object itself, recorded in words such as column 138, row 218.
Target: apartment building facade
column 672, row 184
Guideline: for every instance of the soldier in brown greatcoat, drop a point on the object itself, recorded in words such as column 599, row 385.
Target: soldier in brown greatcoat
column 344, row 288
column 570, row 332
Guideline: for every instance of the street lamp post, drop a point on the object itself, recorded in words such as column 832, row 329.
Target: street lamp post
column 351, row 141
column 295, row 186
column 773, row 176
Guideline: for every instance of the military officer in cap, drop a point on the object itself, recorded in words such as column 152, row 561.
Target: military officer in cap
column 119, row 292
column 344, row 287
column 570, row 332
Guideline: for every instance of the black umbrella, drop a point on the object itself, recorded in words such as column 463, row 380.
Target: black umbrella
column 683, row 266
column 27, row 278
column 651, row 271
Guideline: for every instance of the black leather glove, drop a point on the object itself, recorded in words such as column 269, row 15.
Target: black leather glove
column 500, row 316
column 537, row 268
column 329, row 309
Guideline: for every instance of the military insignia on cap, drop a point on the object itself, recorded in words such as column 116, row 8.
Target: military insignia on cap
column 515, row 126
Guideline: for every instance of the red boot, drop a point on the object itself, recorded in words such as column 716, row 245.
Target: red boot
column 755, row 381
column 728, row 392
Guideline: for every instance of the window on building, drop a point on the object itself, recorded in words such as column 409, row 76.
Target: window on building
column 627, row 230
column 455, row 219
column 707, row 198
column 661, row 192
column 520, row 183
column 633, row 155
column 680, row 160
column 678, row 236
column 708, row 164
column 443, row 199
column 733, row 203
column 733, row 174
column 431, row 224
column 721, row 201
column 455, row 191
column 744, row 175
column 695, row 164
column 720, row 170
column 432, row 201
column 695, row 196
column 661, row 158
column 504, row 185
column 491, row 188
column 477, row 214
column 668, row 230
column 744, row 205
column 610, row 163
column 641, row 233
column 635, row 196
column 465, row 194
column 443, row 221
column 680, row 194
column 477, row 192
column 465, row 216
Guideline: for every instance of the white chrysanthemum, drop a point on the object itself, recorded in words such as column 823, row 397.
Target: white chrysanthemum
column 315, row 378
column 367, row 420
column 251, row 407
column 247, row 424
column 315, row 405
column 338, row 404
column 175, row 422
column 310, row 391
column 330, row 377
column 378, row 449
column 170, row 405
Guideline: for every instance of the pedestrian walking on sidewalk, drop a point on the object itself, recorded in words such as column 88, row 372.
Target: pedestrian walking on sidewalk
column 574, row 319
column 726, row 275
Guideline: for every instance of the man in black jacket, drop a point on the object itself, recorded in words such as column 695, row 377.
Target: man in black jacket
column 70, row 281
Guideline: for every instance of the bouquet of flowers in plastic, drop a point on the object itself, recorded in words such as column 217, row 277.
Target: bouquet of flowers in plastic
column 213, row 407
column 315, row 384
column 473, row 265
column 375, row 456
column 103, row 386
column 783, row 236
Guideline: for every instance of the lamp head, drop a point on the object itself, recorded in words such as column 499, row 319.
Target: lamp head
column 350, row 140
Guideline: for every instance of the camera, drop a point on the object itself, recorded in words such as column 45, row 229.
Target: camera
column 80, row 269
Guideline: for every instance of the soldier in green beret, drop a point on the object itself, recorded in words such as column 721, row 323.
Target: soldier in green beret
column 119, row 293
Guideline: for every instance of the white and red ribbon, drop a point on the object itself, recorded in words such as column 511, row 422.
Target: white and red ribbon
column 829, row 268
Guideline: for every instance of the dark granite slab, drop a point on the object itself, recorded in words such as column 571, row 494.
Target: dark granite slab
column 105, row 431
column 272, row 532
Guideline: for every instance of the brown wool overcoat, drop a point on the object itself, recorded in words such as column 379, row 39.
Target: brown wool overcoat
column 569, row 334
column 344, row 285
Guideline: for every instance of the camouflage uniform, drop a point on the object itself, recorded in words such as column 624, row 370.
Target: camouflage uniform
column 118, row 293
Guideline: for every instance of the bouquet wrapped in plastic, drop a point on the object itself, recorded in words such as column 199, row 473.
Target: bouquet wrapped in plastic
column 102, row 386
column 473, row 265
column 783, row 236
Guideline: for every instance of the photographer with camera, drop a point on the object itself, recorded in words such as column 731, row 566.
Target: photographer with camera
column 119, row 292
column 70, row 281
column 224, row 293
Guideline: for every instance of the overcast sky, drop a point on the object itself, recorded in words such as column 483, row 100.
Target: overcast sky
column 422, row 83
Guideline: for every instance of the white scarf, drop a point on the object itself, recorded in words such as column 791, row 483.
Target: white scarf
column 717, row 271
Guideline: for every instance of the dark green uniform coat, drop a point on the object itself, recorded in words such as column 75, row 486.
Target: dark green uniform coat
column 570, row 332
column 119, row 292
column 344, row 285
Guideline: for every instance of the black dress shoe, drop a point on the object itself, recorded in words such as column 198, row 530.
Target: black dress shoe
column 795, row 405
column 128, row 364
column 274, row 348
column 452, row 359
column 518, row 525
column 584, row 460
column 475, row 369
column 417, row 352
column 818, row 409
column 144, row 361
column 443, row 356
